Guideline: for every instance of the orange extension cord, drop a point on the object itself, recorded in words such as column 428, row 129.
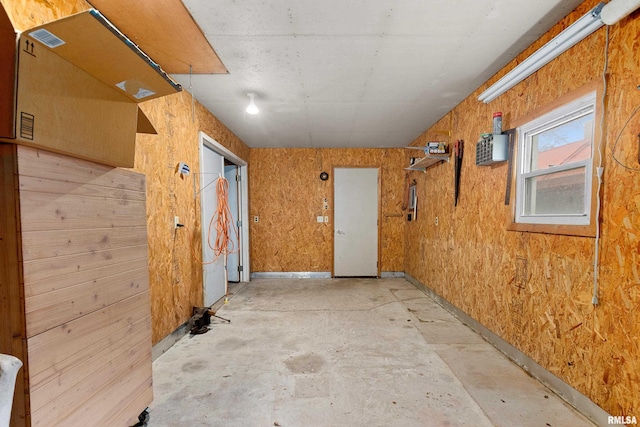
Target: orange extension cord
column 224, row 244
column 222, row 222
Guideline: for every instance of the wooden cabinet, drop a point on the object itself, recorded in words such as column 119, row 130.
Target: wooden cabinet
column 74, row 295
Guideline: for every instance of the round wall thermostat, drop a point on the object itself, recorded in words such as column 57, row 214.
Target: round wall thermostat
column 324, row 176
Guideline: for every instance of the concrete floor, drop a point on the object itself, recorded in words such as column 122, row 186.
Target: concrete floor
column 344, row 352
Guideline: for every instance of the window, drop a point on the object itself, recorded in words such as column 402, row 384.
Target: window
column 554, row 171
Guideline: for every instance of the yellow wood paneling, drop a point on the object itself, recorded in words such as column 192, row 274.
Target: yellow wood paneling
column 25, row 14
column 287, row 195
column 534, row 290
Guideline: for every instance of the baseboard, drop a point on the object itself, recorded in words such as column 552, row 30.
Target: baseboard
column 291, row 275
column 167, row 342
column 312, row 275
column 391, row 274
column 573, row 397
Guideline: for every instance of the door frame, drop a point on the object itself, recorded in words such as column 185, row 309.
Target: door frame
column 206, row 140
column 332, row 210
column 214, row 275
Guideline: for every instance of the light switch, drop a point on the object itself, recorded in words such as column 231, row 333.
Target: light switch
column 320, row 219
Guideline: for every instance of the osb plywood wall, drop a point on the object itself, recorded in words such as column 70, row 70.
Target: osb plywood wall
column 175, row 281
column 175, row 277
column 287, row 195
column 534, row 290
column 175, row 255
column 25, row 14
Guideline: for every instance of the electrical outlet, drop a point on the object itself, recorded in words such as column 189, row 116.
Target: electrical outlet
column 176, row 221
column 436, row 220
column 320, row 219
column 255, row 218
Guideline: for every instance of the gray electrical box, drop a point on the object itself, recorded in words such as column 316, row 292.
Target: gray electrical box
column 492, row 149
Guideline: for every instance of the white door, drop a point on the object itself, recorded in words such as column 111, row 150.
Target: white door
column 355, row 225
column 233, row 259
column 213, row 273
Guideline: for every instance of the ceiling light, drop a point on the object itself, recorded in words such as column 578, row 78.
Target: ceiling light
column 577, row 31
column 252, row 108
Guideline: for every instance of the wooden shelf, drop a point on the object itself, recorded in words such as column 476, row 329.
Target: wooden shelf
column 428, row 161
column 146, row 24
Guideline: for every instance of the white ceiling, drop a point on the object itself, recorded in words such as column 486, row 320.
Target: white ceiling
column 356, row 73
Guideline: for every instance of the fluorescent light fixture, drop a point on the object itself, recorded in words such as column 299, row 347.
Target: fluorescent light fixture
column 252, row 108
column 577, row 31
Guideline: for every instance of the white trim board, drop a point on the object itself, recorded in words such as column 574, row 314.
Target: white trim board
column 291, row 275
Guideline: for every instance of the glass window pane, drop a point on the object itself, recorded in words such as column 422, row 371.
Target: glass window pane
column 562, row 144
column 559, row 193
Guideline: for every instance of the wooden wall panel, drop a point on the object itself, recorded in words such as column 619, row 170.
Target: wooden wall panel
column 175, row 278
column 86, row 300
column 72, row 386
column 12, row 328
column 62, row 292
column 25, row 14
column 534, row 290
column 287, row 195
column 46, row 310
column 616, row 323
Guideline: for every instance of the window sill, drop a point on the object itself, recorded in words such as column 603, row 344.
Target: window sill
column 561, row 229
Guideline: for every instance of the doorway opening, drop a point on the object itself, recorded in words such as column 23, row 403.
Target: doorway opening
column 216, row 161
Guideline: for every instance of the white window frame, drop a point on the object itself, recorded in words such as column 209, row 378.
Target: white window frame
column 576, row 108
